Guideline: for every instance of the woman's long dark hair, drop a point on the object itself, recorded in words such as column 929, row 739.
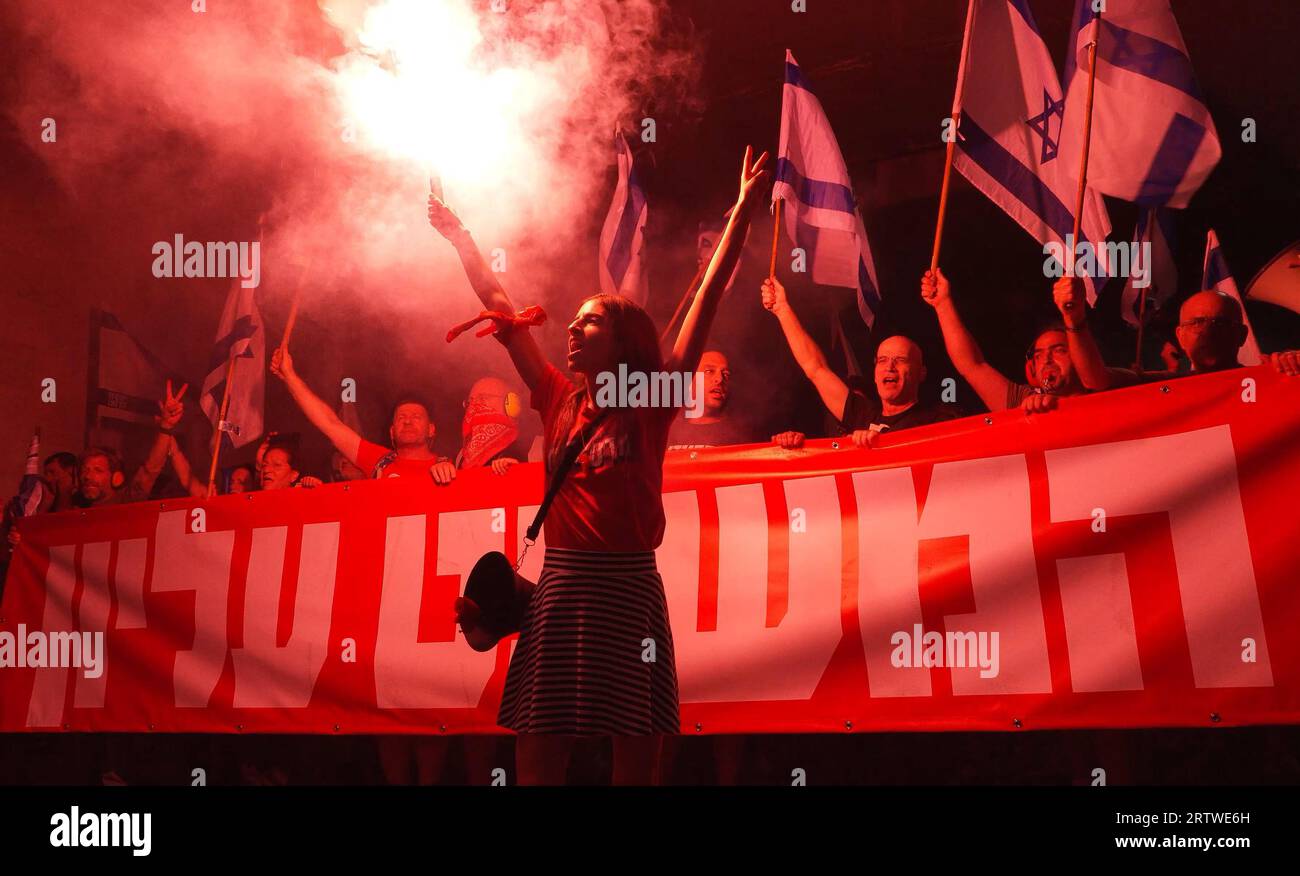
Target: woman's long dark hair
column 636, row 345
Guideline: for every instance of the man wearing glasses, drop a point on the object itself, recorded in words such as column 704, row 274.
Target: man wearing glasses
column 490, row 428
column 1210, row 332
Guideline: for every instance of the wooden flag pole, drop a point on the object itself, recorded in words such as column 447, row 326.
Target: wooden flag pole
column 1087, row 141
column 221, row 418
column 293, row 307
column 952, row 142
column 776, row 236
column 1142, row 319
column 943, row 205
column 686, row 300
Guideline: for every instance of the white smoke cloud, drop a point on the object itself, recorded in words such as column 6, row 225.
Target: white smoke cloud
column 330, row 119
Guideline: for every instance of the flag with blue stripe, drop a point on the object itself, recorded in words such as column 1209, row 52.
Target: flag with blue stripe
column 1153, row 141
column 1215, row 275
column 621, row 262
column 1154, row 234
column 1011, row 131
column 821, row 213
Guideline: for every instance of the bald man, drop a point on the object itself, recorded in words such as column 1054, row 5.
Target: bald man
column 489, row 428
column 1210, row 331
column 899, row 373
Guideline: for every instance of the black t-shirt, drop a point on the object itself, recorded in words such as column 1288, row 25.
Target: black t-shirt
column 862, row 412
column 728, row 430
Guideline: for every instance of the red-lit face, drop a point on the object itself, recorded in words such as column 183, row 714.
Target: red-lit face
column 277, row 470
column 411, row 426
column 241, row 480
column 899, row 371
column 591, row 341
column 717, row 382
column 1210, row 331
column 487, row 394
column 705, row 246
column 1051, row 364
column 96, row 480
column 61, row 480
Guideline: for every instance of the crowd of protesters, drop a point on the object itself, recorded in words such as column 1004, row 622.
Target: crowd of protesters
column 1062, row 360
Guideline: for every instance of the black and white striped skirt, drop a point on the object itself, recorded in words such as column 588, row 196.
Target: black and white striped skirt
column 595, row 652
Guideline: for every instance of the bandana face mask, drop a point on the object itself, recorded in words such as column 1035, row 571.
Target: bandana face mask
column 485, row 432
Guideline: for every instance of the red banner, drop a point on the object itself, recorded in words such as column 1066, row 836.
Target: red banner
column 1129, row 560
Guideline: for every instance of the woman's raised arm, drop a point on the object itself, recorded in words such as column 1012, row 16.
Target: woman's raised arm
column 523, row 350
column 694, row 332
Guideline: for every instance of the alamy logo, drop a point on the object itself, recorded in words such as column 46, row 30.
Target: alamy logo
column 1123, row 258
column 657, row 389
column 955, row 650
column 178, row 258
column 54, row 650
column 74, row 829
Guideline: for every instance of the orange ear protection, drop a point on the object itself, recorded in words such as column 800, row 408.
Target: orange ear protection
column 513, row 406
column 117, row 480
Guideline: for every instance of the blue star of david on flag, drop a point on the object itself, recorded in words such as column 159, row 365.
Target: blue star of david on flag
column 1144, row 58
column 1042, row 125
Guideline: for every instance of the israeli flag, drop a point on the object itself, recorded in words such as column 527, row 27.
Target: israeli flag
column 1215, row 275
column 1153, row 141
column 1012, row 127
column 621, row 262
column 821, row 213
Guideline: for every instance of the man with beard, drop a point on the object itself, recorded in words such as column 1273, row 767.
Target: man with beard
column 899, row 373
column 411, row 430
column 1210, row 331
column 102, row 481
column 1049, row 367
column 715, row 427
